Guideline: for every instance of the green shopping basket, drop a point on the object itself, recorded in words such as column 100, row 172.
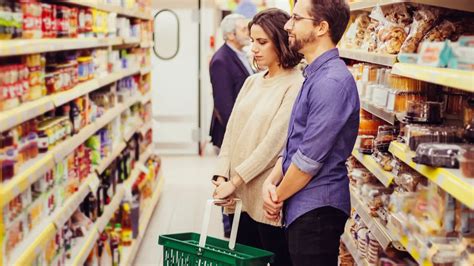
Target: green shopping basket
column 192, row 249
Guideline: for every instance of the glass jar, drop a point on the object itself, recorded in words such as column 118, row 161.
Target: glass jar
column 466, row 162
column 424, row 112
column 366, row 144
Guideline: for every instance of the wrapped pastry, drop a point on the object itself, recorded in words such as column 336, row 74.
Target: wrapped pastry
column 362, row 23
column 441, row 32
column 370, row 39
column 391, row 39
column 424, row 19
column 398, row 14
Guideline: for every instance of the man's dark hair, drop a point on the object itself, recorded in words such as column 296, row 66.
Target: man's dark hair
column 335, row 12
column 273, row 21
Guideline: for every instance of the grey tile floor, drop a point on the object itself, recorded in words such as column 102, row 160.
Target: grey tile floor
column 181, row 206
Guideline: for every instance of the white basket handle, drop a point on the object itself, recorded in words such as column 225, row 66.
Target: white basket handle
column 207, row 218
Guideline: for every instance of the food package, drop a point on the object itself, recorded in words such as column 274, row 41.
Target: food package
column 438, row 155
column 370, row 38
column 423, row 20
column 361, row 24
column 398, row 14
column 391, row 39
column 441, row 32
column 461, row 57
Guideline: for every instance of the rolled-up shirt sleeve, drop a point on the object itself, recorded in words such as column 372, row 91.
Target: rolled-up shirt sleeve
column 329, row 109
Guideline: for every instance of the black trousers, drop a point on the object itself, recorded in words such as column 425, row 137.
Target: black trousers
column 263, row 236
column 313, row 239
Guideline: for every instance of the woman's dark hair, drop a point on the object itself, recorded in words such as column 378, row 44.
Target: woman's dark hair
column 273, row 21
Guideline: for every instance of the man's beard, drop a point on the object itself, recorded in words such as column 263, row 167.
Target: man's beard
column 298, row 44
column 243, row 41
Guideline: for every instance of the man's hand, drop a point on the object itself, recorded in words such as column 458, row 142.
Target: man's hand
column 224, row 190
column 218, row 181
column 271, row 205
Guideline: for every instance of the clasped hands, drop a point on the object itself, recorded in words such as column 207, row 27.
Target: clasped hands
column 224, row 191
column 271, row 205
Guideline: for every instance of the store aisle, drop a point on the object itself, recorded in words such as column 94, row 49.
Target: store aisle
column 181, row 206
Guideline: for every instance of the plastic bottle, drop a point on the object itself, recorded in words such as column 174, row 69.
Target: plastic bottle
column 126, row 226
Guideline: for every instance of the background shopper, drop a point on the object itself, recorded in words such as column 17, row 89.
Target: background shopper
column 311, row 176
column 256, row 132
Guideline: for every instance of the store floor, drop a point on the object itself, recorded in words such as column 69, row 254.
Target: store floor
column 181, row 206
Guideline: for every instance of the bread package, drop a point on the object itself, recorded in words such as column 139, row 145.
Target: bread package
column 424, row 20
column 441, row 32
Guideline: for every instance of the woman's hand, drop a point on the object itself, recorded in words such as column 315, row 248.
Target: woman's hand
column 224, row 190
column 219, row 180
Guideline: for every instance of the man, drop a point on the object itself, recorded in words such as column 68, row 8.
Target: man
column 229, row 68
column 311, row 177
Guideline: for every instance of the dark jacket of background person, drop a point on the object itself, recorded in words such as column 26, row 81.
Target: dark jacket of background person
column 228, row 74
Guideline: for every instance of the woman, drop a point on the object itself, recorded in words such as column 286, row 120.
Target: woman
column 256, row 132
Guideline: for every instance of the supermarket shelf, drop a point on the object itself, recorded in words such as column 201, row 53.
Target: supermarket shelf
column 387, row 116
column 451, row 180
column 419, row 254
column 38, row 244
column 129, row 134
column 98, row 4
column 149, row 44
column 385, row 177
column 91, row 85
column 145, row 70
column 73, row 202
column 352, row 247
column 110, row 158
column 459, row 79
column 129, row 253
column 110, row 210
column 132, row 40
column 464, row 5
column 83, row 248
column 29, row 110
column 29, row 173
column 136, row 171
column 151, row 208
column 359, row 55
column 68, row 146
column 146, row 98
column 32, row 46
column 145, row 128
column 24, row 112
column 374, row 224
column 30, row 248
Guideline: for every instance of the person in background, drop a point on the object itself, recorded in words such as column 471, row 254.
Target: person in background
column 310, row 179
column 229, row 67
column 255, row 134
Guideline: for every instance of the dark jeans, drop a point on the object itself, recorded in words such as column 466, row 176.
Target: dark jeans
column 313, row 239
column 263, row 236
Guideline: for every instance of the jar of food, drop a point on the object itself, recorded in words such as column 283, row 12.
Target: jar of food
column 424, row 112
column 85, row 68
column 366, row 144
column 466, row 161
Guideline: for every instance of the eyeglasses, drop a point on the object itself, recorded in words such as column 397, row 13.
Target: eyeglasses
column 294, row 18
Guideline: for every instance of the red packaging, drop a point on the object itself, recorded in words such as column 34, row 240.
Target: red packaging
column 73, row 22
column 32, row 21
column 46, row 16
column 88, row 20
column 63, row 15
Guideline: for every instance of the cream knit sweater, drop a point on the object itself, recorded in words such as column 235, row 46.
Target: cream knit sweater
column 256, row 134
